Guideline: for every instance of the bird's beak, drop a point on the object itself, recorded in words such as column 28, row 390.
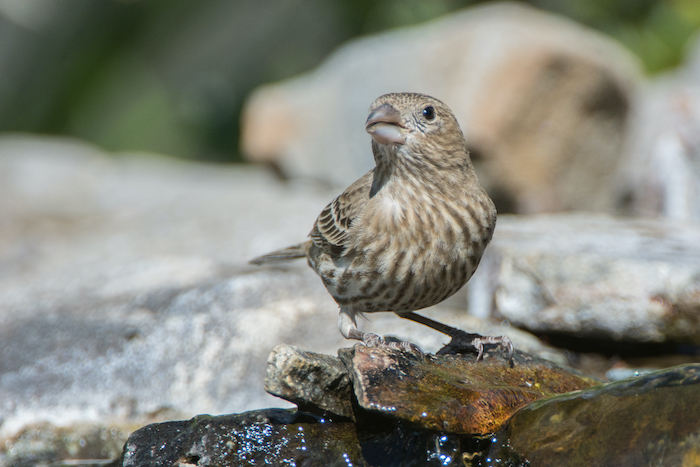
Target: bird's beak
column 385, row 125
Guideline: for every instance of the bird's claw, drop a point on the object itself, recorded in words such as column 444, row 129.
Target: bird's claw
column 373, row 340
column 502, row 341
column 463, row 341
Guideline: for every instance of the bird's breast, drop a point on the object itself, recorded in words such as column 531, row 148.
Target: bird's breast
column 405, row 256
column 410, row 247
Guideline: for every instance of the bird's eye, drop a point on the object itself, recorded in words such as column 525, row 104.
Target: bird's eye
column 429, row 112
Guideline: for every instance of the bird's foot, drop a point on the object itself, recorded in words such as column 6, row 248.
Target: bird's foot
column 373, row 340
column 468, row 342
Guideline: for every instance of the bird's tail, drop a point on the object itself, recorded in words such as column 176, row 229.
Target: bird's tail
column 285, row 254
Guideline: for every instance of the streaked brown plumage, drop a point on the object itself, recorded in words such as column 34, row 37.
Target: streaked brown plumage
column 409, row 233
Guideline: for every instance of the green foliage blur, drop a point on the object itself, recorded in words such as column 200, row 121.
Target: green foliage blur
column 171, row 76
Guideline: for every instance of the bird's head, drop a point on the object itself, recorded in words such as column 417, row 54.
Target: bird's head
column 411, row 122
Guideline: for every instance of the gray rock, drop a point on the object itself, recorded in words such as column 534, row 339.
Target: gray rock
column 125, row 297
column 543, row 102
column 123, row 290
column 308, row 378
column 593, row 276
column 45, row 445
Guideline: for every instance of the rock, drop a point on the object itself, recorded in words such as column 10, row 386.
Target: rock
column 64, row 201
column 410, row 409
column 544, row 104
column 455, row 394
column 180, row 350
column 283, row 437
column 307, row 378
column 647, row 420
column 450, row 393
column 593, row 276
column 264, row 437
column 46, row 444
column 663, row 167
column 123, row 290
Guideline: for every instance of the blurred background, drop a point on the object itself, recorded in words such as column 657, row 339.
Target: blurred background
column 171, row 76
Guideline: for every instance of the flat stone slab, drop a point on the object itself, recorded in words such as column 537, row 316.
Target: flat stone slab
column 593, row 276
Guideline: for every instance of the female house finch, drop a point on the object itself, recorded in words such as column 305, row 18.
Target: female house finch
column 410, row 232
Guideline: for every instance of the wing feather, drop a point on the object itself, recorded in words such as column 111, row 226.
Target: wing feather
column 330, row 233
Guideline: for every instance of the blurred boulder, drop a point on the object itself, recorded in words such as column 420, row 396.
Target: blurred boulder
column 663, row 168
column 544, row 104
column 124, row 292
column 634, row 280
column 48, row 445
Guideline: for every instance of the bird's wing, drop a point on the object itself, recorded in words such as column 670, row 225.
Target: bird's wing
column 330, row 233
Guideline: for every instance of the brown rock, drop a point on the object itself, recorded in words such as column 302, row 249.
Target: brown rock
column 446, row 393
column 647, row 420
column 455, row 394
column 551, row 140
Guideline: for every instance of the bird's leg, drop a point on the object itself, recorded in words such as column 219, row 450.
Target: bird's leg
column 462, row 338
column 348, row 325
column 348, row 328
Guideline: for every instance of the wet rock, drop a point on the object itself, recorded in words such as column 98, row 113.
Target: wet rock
column 646, row 420
column 285, row 437
column 593, row 276
column 543, row 102
column 451, row 393
column 264, row 437
column 456, row 394
column 308, row 378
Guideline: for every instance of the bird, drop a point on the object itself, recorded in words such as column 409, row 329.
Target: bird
column 410, row 232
